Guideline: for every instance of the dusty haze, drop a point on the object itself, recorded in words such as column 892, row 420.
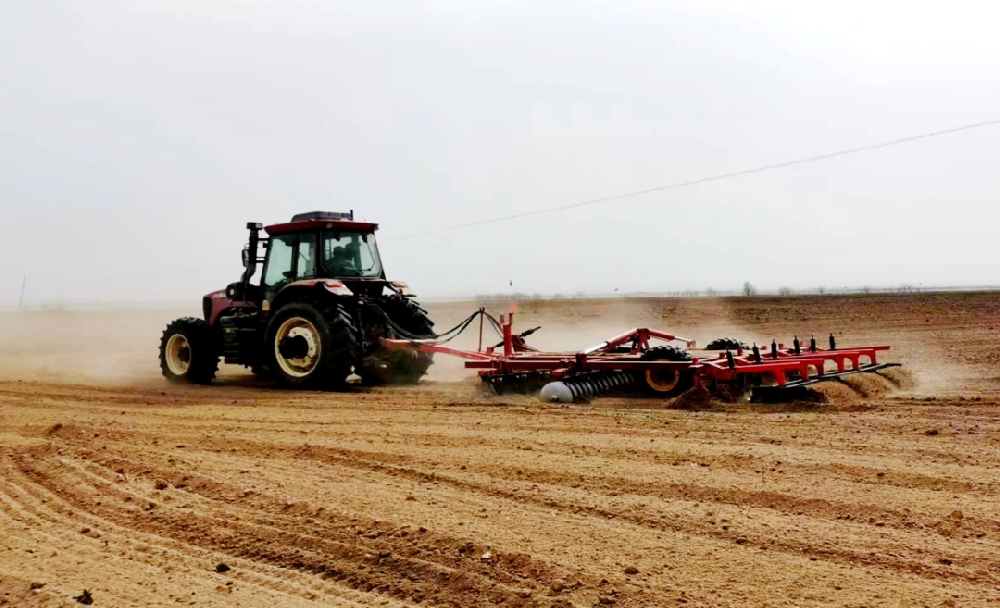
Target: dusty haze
column 137, row 138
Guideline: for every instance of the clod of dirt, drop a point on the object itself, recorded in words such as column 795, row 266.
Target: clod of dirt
column 830, row 392
column 742, row 540
column 631, row 570
column 524, row 593
column 869, row 385
column 957, row 515
column 931, row 432
column 728, row 393
column 697, row 398
column 54, row 428
column 85, row 531
column 84, row 598
column 557, row 586
column 222, row 568
column 605, row 600
column 35, row 586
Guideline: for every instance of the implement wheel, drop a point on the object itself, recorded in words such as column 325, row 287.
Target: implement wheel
column 726, row 344
column 189, row 352
column 665, row 383
column 312, row 345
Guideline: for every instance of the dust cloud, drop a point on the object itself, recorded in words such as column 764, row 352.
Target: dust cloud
column 941, row 355
column 82, row 347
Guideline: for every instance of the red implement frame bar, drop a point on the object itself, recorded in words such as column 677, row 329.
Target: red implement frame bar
column 609, row 356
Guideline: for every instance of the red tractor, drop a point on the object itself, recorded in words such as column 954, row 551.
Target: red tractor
column 319, row 313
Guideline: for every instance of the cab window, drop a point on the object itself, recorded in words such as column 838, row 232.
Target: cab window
column 290, row 258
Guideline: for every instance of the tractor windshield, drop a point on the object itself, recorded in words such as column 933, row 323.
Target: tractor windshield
column 351, row 254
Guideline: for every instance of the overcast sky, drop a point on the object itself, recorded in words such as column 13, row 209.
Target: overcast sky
column 138, row 138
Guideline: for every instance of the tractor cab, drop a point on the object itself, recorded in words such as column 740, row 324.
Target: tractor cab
column 313, row 246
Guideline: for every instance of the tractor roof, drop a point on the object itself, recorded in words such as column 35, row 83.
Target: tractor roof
column 321, row 219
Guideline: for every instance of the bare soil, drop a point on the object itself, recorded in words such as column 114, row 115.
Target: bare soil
column 120, row 489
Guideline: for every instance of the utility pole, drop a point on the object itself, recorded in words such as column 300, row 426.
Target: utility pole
column 24, row 285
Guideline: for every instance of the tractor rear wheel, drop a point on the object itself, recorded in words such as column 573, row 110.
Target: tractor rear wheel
column 665, row 383
column 189, row 352
column 312, row 345
column 400, row 365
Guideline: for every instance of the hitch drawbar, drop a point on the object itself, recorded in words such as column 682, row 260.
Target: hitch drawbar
column 631, row 361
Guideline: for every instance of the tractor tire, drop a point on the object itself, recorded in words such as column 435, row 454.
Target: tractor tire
column 726, row 344
column 665, row 383
column 403, row 365
column 189, row 352
column 311, row 345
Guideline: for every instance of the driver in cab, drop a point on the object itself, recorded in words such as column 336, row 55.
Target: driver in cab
column 342, row 262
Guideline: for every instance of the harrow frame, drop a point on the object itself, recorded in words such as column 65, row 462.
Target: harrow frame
column 790, row 368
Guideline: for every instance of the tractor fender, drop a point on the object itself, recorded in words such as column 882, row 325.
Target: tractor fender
column 299, row 290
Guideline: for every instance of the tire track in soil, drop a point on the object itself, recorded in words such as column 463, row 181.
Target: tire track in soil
column 394, row 567
column 923, row 568
column 65, row 523
column 623, row 454
column 668, row 490
column 698, row 493
column 697, row 529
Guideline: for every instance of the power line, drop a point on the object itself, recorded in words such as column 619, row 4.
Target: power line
column 713, row 178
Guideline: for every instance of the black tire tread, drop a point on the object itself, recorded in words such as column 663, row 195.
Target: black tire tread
column 204, row 350
column 340, row 346
column 666, row 353
column 400, row 366
column 726, row 344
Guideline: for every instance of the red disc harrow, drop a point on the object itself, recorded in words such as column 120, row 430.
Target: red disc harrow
column 633, row 360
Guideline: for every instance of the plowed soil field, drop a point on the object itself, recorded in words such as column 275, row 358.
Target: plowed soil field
column 238, row 494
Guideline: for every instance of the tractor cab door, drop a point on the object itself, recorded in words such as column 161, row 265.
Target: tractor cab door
column 290, row 257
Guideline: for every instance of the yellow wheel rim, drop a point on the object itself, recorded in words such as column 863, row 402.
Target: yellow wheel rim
column 298, row 367
column 178, row 355
column 663, row 381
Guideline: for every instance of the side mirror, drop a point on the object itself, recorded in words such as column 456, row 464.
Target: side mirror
column 246, row 256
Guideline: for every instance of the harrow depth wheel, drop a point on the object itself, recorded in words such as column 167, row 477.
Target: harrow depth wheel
column 663, row 380
column 666, row 382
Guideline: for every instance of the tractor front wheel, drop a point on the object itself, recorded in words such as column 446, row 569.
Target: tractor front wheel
column 665, row 382
column 189, row 352
column 312, row 345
